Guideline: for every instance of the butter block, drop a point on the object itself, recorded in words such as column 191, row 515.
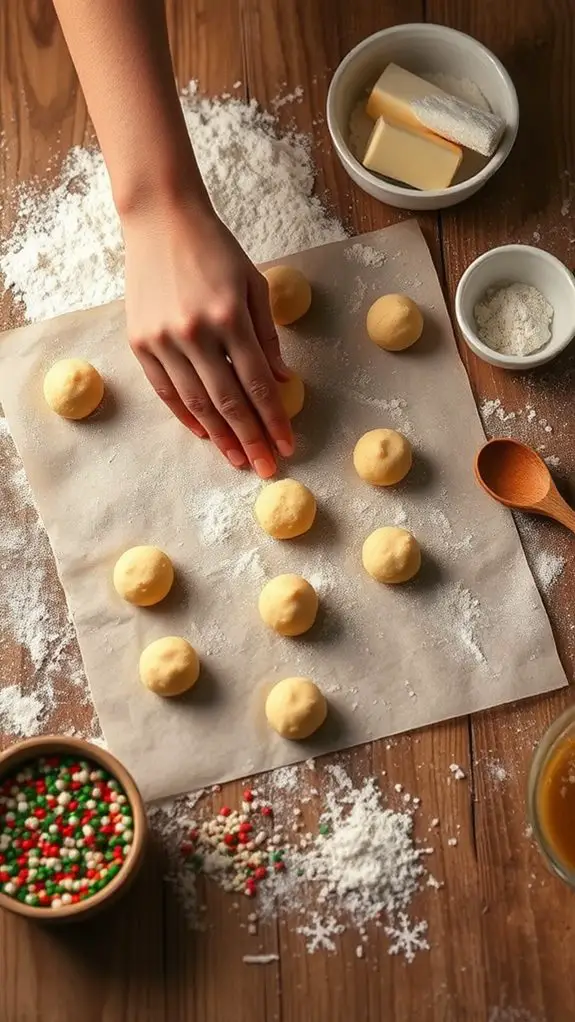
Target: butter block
column 402, row 96
column 412, row 156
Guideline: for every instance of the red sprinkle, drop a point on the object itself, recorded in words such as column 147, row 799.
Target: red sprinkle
column 225, row 811
column 267, row 811
column 279, row 866
column 248, row 795
column 261, row 873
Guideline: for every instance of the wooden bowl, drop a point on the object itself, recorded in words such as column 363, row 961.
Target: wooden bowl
column 34, row 748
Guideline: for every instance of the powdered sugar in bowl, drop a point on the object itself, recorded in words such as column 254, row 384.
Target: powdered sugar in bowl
column 521, row 288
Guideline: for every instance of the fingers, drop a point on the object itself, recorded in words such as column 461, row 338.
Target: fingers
column 226, row 393
column 264, row 327
column 200, row 404
column 165, row 389
column 253, row 372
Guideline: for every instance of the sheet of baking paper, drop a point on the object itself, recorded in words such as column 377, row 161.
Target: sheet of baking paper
column 469, row 633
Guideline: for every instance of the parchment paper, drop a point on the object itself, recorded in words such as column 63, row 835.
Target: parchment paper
column 469, row 633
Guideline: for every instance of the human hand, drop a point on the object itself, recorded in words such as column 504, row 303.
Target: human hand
column 200, row 324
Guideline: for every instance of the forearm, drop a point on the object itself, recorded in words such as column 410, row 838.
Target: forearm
column 121, row 52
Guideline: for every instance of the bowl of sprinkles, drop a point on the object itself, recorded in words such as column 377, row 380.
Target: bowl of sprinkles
column 72, row 828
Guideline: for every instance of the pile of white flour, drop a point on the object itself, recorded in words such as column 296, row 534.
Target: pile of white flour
column 359, row 867
column 65, row 250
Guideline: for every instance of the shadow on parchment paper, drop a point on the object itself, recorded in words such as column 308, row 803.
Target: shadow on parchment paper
column 328, row 627
column 207, row 691
column 429, row 576
column 107, row 409
column 323, row 318
column 323, row 533
column 316, row 425
column 178, row 598
column 334, row 730
column 428, row 343
column 421, row 474
column 122, row 942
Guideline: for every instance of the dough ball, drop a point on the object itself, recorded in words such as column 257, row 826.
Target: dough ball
column 394, row 322
column 290, row 294
column 285, row 509
column 295, row 708
column 292, row 393
column 382, row 457
column 169, row 666
column 73, row 388
column 288, row 604
column 391, row 555
column 143, row 575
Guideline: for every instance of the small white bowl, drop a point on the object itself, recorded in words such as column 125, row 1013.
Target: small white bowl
column 523, row 264
column 425, row 50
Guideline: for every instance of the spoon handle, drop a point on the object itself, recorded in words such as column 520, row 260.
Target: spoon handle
column 559, row 509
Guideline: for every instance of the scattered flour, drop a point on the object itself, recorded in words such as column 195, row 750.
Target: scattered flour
column 218, row 517
column 496, row 771
column 493, row 407
column 287, row 98
column 357, row 297
column 20, row 714
column 360, row 866
column 249, row 563
column 547, row 569
column 364, row 255
column 467, row 617
column 246, row 165
column 33, row 614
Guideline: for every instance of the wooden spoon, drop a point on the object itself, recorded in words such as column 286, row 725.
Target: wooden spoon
column 516, row 476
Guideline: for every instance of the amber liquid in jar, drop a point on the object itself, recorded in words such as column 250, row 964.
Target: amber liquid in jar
column 556, row 802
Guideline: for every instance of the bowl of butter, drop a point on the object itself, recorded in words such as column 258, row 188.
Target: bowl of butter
column 421, row 116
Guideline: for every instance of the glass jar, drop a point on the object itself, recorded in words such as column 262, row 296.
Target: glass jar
column 551, row 796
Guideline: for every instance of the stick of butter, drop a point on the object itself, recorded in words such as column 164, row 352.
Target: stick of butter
column 415, row 157
column 402, row 96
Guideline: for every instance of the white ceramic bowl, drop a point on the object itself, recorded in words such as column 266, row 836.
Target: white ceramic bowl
column 518, row 264
column 424, row 50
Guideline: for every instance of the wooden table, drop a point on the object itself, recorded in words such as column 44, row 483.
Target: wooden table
column 501, row 929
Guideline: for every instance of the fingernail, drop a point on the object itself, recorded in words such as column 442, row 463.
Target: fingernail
column 236, row 458
column 286, row 448
column 200, row 433
column 265, row 469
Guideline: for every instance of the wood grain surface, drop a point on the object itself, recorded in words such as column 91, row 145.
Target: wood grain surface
column 501, row 928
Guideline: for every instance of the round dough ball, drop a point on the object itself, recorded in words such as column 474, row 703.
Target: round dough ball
column 73, row 388
column 169, row 666
column 143, row 575
column 292, row 393
column 391, row 555
column 295, row 708
column 288, row 604
column 285, row 509
column 394, row 322
column 290, row 294
column 382, row 457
